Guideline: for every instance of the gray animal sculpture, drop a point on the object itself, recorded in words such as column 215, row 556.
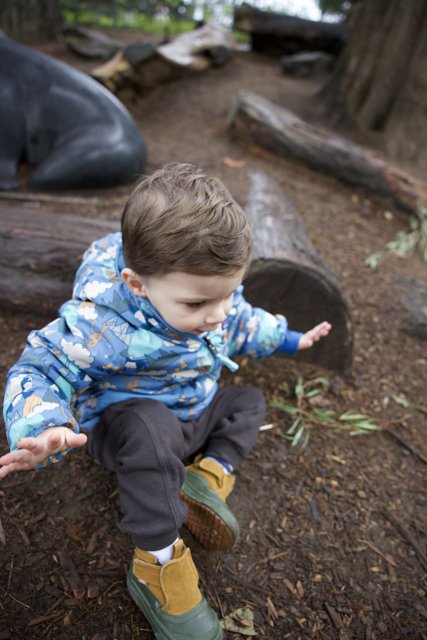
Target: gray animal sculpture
column 73, row 129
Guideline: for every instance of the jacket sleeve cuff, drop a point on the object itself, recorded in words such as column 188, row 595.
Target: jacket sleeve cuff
column 290, row 343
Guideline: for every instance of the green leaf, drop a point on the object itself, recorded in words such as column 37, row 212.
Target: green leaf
column 283, row 406
column 285, row 386
column 299, row 387
column 285, row 436
column 374, row 260
column 305, row 440
column 366, row 425
column 293, row 427
column 313, row 393
column 297, row 436
column 324, row 382
column 349, row 416
column 324, row 415
column 403, row 402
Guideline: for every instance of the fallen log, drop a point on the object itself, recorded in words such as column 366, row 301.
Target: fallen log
column 281, row 131
column 278, row 33
column 199, row 49
column 90, row 44
column 288, row 276
column 40, row 252
column 39, row 255
column 144, row 66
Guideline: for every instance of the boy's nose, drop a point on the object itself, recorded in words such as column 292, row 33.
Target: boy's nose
column 216, row 315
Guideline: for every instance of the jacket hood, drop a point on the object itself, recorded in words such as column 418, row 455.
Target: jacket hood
column 99, row 280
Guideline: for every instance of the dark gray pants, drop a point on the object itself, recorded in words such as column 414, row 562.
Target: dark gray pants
column 145, row 444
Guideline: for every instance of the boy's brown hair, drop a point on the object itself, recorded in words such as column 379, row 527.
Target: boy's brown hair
column 180, row 219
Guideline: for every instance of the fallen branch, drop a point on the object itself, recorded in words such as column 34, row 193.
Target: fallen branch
column 409, row 538
column 406, row 445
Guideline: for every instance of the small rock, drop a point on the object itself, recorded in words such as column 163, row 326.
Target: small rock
column 307, row 64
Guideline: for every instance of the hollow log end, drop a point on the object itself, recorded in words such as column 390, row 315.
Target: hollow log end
column 306, row 298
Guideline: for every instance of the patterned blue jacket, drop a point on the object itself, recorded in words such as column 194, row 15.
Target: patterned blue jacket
column 108, row 345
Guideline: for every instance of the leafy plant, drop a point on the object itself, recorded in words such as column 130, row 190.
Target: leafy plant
column 407, row 404
column 176, row 21
column 405, row 242
column 304, row 414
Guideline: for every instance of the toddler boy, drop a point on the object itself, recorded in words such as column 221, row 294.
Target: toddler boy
column 134, row 361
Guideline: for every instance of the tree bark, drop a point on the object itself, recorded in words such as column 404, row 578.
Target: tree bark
column 284, row 133
column 40, row 253
column 380, row 82
column 30, row 20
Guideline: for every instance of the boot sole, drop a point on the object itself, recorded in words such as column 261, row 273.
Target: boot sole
column 209, row 519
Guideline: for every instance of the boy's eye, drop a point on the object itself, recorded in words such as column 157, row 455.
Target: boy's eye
column 195, row 305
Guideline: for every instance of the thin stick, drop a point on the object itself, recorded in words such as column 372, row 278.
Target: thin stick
column 407, row 445
column 410, row 538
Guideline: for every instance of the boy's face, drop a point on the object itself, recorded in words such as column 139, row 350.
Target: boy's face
column 189, row 303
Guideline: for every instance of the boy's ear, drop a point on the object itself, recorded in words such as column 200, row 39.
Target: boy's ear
column 134, row 282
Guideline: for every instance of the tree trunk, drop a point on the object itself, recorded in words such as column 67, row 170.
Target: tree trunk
column 30, row 20
column 381, row 79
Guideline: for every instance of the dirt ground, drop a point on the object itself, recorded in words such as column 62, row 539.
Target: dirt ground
column 332, row 535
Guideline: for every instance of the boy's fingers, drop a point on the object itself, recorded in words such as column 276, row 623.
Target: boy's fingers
column 4, row 471
column 12, row 457
column 76, row 439
column 55, row 441
column 13, row 466
column 30, row 444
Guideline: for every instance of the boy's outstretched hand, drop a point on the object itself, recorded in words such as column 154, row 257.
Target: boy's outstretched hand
column 308, row 339
column 33, row 451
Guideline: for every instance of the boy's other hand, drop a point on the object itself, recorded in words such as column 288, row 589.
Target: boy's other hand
column 308, row 339
column 33, row 451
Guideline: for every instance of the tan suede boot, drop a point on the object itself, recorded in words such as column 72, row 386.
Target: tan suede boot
column 205, row 490
column 170, row 598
